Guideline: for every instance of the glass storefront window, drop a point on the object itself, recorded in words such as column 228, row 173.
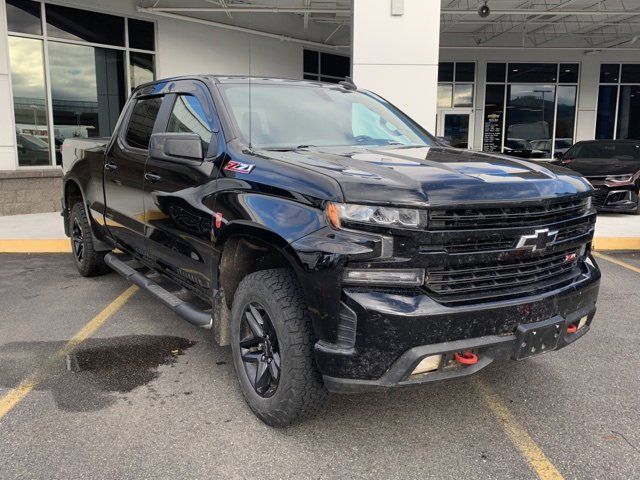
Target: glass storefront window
column 605, row 120
column 87, row 90
column 23, row 16
column 463, row 95
column 629, row 112
column 530, row 112
column 445, row 90
column 565, row 117
column 29, row 101
column 85, row 86
column 84, row 25
column 326, row 67
column 141, row 69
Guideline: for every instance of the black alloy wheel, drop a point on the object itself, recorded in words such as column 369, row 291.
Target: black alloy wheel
column 259, row 350
column 77, row 239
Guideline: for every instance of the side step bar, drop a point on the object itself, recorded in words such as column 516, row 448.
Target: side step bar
column 185, row 310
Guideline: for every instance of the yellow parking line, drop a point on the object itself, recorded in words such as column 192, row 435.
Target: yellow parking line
column 36, row 245
column 16, row 394
column 608, row 258
column 518, row 435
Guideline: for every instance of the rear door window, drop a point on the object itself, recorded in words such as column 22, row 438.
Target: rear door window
column 141, row 122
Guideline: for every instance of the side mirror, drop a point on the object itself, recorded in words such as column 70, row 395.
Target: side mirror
column 558, row 155
column 176, row 147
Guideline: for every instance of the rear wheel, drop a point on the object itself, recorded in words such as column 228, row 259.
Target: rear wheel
column 272, row 343
column 89, row 262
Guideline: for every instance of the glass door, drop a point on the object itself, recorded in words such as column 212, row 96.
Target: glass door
column 456, row 127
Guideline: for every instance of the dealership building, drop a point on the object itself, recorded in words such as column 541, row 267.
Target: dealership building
column 526, row 78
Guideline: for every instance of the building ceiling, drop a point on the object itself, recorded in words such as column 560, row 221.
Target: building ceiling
column 579, row 24
column 583, row 24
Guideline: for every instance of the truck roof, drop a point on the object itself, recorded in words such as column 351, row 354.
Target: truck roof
column 240, row 79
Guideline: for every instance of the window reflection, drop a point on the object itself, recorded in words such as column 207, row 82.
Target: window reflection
column 140, row 68
column 530, row 120
column 444, row 95
column 87, row 90
column 24, row 16
column 29, row 100
column 188, row 116
column 565, row 117
column 463, row 95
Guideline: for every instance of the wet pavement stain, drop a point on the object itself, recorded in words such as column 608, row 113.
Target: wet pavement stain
column 91, row 377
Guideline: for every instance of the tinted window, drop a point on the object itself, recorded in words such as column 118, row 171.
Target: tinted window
column 311, row 61
column 606, row 116
column 141, row 34
column 24, row 16
column 631, row 73
column 496, row 72
column 74, row 24
column 141, row 122
column 533, row 72
column 445, row 72
column 188, row 116
column 334, row 65
column 609, row 73
column 569, row 72
column 629, row 112
column 465, row 72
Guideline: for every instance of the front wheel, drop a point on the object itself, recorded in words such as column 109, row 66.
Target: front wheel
column 89, row 262
column 272, row 343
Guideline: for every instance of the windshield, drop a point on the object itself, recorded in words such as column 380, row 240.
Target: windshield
column 290, row 116
column 601, row 150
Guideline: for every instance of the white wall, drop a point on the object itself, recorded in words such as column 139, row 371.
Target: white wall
column 190, row 48
column 587, row 88
column 397, row 56
column 7, row 130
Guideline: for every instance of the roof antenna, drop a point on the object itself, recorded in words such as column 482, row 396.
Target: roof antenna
column 348, row 84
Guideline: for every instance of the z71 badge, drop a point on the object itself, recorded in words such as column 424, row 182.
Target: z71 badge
column 238, row 167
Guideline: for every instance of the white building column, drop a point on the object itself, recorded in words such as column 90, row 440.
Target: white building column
column 395, row 53
column 7, row 126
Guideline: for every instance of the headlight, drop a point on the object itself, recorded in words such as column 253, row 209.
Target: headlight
column 618, row 178
column 372, row 215
column 384, row 277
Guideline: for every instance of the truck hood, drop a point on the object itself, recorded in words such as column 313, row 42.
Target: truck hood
column 421, row 176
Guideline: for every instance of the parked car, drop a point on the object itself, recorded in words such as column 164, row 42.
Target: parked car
column 561, row 144
column 32, row 150
column 328, row 238
column 612, row 167
column 521, row 148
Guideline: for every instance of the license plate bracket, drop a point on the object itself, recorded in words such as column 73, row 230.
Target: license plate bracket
column 536, row 338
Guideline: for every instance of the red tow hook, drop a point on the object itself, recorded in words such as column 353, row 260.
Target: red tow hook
column 572, row 329
column 466, row 358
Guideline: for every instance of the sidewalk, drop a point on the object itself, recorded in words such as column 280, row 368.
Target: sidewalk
column 44, row 233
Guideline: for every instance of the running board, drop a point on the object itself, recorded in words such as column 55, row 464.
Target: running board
column 187, row 311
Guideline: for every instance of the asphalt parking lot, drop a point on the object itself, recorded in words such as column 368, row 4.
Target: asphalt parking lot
column 146, row 395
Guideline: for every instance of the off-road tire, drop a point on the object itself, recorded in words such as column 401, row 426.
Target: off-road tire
column 300, row 392
column 91, row 262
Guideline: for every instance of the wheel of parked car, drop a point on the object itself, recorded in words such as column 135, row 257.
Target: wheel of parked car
column 272, row 343
column 89, row 262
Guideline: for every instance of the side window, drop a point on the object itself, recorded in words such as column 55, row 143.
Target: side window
column 188, row 116
column 141, row 122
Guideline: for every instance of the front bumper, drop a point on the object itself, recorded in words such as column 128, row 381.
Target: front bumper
column 394, row 331
column 616, row 199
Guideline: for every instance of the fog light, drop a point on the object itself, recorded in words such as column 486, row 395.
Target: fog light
column 583, row 322
column 384, row 276
column 427, row 364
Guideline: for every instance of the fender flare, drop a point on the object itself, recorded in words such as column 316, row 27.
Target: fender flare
column 99, row 245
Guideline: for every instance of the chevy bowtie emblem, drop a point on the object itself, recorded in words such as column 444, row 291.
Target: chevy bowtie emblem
column 539, row 240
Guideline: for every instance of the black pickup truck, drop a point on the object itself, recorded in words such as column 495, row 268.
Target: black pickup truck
column 330, row 240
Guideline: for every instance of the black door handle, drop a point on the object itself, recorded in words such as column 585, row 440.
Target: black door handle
column 152, row 177
column 110, row 166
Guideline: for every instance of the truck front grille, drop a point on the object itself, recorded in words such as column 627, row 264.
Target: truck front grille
column 505, row 217
column 472, row 254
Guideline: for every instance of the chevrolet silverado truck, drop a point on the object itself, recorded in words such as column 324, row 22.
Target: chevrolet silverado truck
column 328, row 238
